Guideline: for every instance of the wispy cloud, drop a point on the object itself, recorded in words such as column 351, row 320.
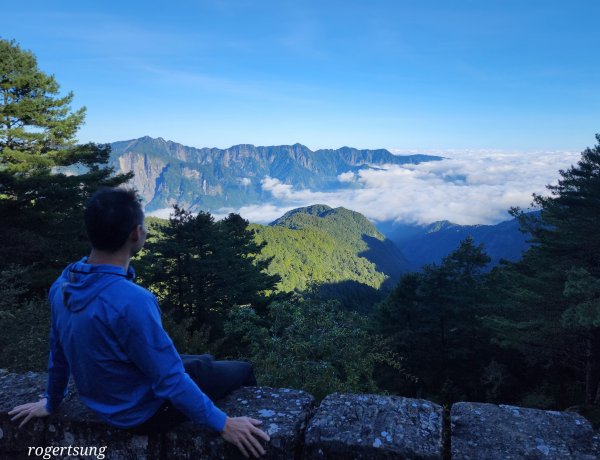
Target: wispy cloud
column 108, row 34
column 257, row 213
column 163, row 213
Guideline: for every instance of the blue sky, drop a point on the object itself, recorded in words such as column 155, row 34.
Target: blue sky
column 515, row 75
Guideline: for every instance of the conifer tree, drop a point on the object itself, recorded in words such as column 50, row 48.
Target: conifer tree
column 45, row 177
column 242, row 272
column 201, row 269
column 548, row 302
column 432, row 319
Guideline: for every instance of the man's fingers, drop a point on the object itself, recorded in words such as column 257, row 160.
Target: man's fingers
column 19, row 408
column 26, row 419
column 244, row 434
column 260, row 433
column 256, row 444
column 249, row 445
column 242, row 449
column 21, row 414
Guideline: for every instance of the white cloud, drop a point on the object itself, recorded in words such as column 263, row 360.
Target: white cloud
column 470, row 187
column 277, row 188
column 347, row 177
column 163, row 213
column 258, row 213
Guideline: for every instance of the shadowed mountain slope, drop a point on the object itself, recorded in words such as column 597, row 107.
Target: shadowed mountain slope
column 430, row 243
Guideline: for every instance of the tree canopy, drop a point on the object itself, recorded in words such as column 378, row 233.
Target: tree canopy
column 45, row 176
column 201, row 269
column 553, row 292
column 313, row 345
column 431, row 318
column 45, row 180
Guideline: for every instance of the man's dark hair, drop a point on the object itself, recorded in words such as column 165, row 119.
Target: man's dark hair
column 110, row 216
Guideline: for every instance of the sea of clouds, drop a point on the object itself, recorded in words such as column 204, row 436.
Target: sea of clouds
column 466, row 187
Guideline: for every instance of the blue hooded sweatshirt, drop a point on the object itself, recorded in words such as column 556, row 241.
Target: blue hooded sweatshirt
column 106, row 331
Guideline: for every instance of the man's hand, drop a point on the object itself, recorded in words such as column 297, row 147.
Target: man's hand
column 243, row 433
column 30, row 410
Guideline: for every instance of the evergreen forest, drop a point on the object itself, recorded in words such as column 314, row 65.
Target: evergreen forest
column 525, row 332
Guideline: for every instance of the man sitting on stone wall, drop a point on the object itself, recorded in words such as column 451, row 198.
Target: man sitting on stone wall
column 106, row 331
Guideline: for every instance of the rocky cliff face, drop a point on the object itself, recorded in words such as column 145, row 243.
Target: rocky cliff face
column 210, row 178
column 147, row 170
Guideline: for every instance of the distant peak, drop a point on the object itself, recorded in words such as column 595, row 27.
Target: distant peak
column 314, row 209
column 319, row 210
column 439, row 225
column 150, row 139
column 343, row 223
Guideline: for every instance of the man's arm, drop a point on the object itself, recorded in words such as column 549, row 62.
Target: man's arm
column 58, row 372
column 147, row 344
column 139, row 331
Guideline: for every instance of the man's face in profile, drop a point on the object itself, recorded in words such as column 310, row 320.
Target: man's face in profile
column 140, row 232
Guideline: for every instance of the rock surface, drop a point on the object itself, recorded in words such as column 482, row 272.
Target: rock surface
column 284, row 414
column 375, row 427
column 508, row 432
column 345, row 426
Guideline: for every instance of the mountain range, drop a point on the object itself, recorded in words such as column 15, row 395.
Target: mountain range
column 426, row 244
column 210, row 178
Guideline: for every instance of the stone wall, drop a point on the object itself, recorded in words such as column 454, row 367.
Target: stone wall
column 343, row 426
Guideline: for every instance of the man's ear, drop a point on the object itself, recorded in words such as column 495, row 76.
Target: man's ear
column 135, row 234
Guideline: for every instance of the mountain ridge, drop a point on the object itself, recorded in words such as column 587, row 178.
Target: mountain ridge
column 167, row 172
column 426, row 244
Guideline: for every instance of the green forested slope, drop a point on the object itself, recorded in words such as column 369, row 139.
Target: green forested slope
column 311, row 255
column 337, row 251
column 345, row 226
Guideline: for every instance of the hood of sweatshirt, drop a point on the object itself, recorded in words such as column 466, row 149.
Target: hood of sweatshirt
column 81, row 282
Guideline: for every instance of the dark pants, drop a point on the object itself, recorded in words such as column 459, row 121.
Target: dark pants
column 216, row 379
